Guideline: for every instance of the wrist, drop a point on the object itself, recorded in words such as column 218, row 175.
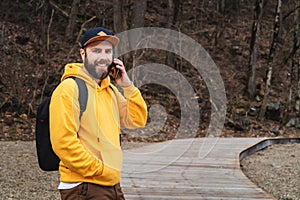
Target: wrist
column 126, row 85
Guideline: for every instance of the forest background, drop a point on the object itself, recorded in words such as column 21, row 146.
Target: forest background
column 255, row 45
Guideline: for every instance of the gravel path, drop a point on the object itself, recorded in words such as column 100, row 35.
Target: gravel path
column 275, row 169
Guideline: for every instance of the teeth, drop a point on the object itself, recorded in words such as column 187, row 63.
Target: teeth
column 101, row 65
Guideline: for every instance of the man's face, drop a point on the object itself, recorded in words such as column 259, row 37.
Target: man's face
column 96, row 59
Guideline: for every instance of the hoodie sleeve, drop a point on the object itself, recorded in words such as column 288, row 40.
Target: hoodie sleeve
column 132, row 108
column 64, row 125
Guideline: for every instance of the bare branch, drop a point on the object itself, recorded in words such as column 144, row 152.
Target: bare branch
column 59, row 9
column 48, row 30
column 78, row 38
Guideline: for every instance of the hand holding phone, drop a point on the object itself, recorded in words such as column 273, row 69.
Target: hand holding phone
column 117, row 72
column 113, row 71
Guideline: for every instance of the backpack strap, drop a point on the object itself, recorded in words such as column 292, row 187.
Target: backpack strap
column 82, row 94
column 111, row 88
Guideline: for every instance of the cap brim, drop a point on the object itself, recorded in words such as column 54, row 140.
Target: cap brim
column 109, row 38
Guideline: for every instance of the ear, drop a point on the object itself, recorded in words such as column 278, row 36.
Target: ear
column 82, row 53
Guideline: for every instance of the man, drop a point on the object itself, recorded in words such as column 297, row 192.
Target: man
column 89, row 146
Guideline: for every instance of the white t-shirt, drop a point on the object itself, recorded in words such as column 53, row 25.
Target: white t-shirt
column 65, row 186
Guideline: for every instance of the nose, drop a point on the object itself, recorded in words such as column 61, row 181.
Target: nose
column 103, row 59
column 105, row 56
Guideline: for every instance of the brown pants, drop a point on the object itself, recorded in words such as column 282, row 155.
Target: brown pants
column 90, row 191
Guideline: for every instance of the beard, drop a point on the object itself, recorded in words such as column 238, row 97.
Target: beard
column 99, row 73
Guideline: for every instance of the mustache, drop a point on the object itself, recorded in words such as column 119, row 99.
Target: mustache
column 101, row 62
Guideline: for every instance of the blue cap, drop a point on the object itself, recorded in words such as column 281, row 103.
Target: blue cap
column 98, row 34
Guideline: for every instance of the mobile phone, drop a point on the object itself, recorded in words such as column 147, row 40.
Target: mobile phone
column 113, row 71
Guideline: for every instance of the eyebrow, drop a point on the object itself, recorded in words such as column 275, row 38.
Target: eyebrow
column 102, row 49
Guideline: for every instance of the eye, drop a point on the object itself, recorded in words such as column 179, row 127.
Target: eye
column 96, row 50
column 108, row 51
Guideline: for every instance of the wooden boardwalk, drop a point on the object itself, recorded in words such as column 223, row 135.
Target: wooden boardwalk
column 204, row 168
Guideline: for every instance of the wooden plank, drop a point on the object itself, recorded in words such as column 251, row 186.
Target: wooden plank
column 204, row 168
column 161, row 197
column 197, row 192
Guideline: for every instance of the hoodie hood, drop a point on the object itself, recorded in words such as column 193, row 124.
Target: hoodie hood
column 76, row 70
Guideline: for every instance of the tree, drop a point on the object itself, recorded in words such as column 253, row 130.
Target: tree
column 44, row 19
column 227, row 6
column 137, row 20
column 139, row 9
column 258, row 12
column 120, row 18
column 72, row 18
column 173, row 13
column 271, row 59
column 294, row 64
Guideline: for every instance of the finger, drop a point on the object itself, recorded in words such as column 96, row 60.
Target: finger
column 118, row 62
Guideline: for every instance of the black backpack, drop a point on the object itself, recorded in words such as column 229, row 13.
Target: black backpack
column 47, row 159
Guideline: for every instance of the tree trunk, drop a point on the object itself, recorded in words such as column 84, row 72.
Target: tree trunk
column 296, row 63
column 251, row 89
column 72, row 19
column 44, row 25
column 221, row 6
column 139, row 9
column 294, row 67
column 173, row 13
column 120, row 21
column 228, row 6
column 118, row 15
column 270, row 59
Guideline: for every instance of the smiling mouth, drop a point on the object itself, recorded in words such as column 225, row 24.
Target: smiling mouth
column 101, row 66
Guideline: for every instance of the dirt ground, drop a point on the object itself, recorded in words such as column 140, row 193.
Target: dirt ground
column 275, row 169
column 20, row 176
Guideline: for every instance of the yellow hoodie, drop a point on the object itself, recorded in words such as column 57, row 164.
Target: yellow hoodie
column 89, row 149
